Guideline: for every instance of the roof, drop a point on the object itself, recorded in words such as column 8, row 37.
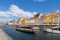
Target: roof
column 52, row 14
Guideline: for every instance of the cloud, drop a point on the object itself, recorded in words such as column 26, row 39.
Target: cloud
column 39, row 0
column 15, row 11
column 4, row 13
column 20, row 12
column 57, row 10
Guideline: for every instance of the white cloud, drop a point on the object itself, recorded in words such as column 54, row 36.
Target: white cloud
column 4, row 13
column 20, row 12
column 57, row 10
column 16, row 11
column 39, row 0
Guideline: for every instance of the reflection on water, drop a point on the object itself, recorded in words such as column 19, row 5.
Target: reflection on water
column 17, row 35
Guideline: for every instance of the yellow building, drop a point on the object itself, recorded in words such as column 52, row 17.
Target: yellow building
column 49, row 19
column 36, row 21
column 25, row 21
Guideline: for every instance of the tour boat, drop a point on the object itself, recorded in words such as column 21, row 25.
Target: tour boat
column 56, row 30
column 26, row 29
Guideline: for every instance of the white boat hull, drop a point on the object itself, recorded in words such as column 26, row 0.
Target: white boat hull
column 36, row 28
column 51, row 31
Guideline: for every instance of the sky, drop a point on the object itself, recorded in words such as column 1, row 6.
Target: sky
column 13, row 9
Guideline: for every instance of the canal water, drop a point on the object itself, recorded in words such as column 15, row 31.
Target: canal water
column 40, row 35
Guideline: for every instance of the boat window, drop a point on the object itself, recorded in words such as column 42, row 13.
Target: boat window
column 26, row 27
column 56, row 29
